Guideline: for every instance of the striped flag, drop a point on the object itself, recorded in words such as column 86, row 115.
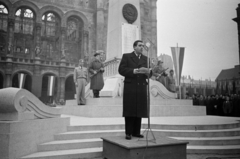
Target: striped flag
column 178, row 55
column 51, row 84
column 21, row 80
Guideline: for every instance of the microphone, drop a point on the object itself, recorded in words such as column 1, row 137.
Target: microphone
column 146, row 46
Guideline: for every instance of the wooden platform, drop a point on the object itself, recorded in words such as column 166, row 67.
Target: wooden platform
column 117, row 147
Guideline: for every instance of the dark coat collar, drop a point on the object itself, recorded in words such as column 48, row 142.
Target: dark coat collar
column 137, row 60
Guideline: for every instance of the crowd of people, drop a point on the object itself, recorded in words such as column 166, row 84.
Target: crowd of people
column 221, row 105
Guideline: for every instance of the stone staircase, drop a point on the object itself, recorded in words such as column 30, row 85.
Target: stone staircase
column 84, row 141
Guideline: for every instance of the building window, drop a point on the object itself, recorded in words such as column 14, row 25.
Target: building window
column 73, row 29
column 74, row 39
column 50, row 24
column 3, row 18
column 24, row 21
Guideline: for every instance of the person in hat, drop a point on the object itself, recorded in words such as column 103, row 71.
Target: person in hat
column 96, row 70
column 159, row 73
column 80, row 77
column 171, row 82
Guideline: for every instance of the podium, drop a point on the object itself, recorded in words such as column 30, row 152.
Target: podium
column 117, row 147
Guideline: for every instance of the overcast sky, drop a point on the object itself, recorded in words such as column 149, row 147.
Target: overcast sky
column 205, row 28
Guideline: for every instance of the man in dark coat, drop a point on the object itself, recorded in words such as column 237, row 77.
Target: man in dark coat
column 133, row 67
column 96, row 70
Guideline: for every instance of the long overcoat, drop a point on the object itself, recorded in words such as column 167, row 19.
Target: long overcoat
column 135, row 86
column 97, row 82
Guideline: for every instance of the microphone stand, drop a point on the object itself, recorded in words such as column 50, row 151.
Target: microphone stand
column 148, row 129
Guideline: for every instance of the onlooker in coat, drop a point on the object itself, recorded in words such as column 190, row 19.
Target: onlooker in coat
column 96, row 70
column 201, row 100
column 80, row 79
column 208, row 105
column 133, row 67
column 159, row 73
column 227, row 106
column 195, row 99
column 171, row 82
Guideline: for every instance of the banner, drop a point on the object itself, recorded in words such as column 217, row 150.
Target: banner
column 178, row 55
column 51, row 84
column 21, row 80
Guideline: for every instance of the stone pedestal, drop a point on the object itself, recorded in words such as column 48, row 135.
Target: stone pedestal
column 117, row 147
column 20, row 138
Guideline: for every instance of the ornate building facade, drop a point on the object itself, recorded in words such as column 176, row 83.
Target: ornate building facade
column 42, row 38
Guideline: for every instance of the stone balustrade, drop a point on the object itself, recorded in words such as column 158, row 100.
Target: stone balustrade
column 34, row 61
column 111, row 67
column 20, row 104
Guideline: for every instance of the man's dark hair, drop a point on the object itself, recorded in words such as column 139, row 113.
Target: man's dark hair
column 136, row 43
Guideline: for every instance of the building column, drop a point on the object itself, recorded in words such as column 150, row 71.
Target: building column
column 8, row 71
column 37, row 78
column 10, row 48
column 62, row 44
column 100, row 25
column 85, row 45
column 37, row 49
column 62, row 78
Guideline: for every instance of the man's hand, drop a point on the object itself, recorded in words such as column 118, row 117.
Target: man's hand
column 102, row 69
column 135, row 71
column 76, row 84
column 94, row 72
column 144, row 70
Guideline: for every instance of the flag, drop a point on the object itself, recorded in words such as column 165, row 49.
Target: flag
column 178, row 55
column 21, row 79
column 51, row 84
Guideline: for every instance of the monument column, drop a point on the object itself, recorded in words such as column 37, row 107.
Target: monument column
column 237, row 20
column 153, row 49
column 124, row 27
column 100, row 24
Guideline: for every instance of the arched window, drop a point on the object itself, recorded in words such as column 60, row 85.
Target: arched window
column 3, row 18
column 73, row 29
column 24, row 21
column 74, row 39
column 50, row 36
column 50, row 24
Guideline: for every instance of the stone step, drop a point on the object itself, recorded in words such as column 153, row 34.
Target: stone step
column 225, row 149
column 95, row 127
column 96, row 111
column 118, row 101
column 171, row 133
column 198, row 133
column 88, row 153
column 196, row 127
column 70, row 144
column 87, row 134
column 235, row 140
column 154, row 126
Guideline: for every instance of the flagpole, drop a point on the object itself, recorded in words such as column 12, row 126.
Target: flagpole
column 180, row 91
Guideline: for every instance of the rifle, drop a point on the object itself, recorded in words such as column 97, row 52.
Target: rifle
column 93, row 74
column 161, row 73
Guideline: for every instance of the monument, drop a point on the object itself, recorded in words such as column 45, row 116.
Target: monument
column 123, row 27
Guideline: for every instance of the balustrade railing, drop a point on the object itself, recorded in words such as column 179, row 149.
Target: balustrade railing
column 32, row 61
column 111, row 67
